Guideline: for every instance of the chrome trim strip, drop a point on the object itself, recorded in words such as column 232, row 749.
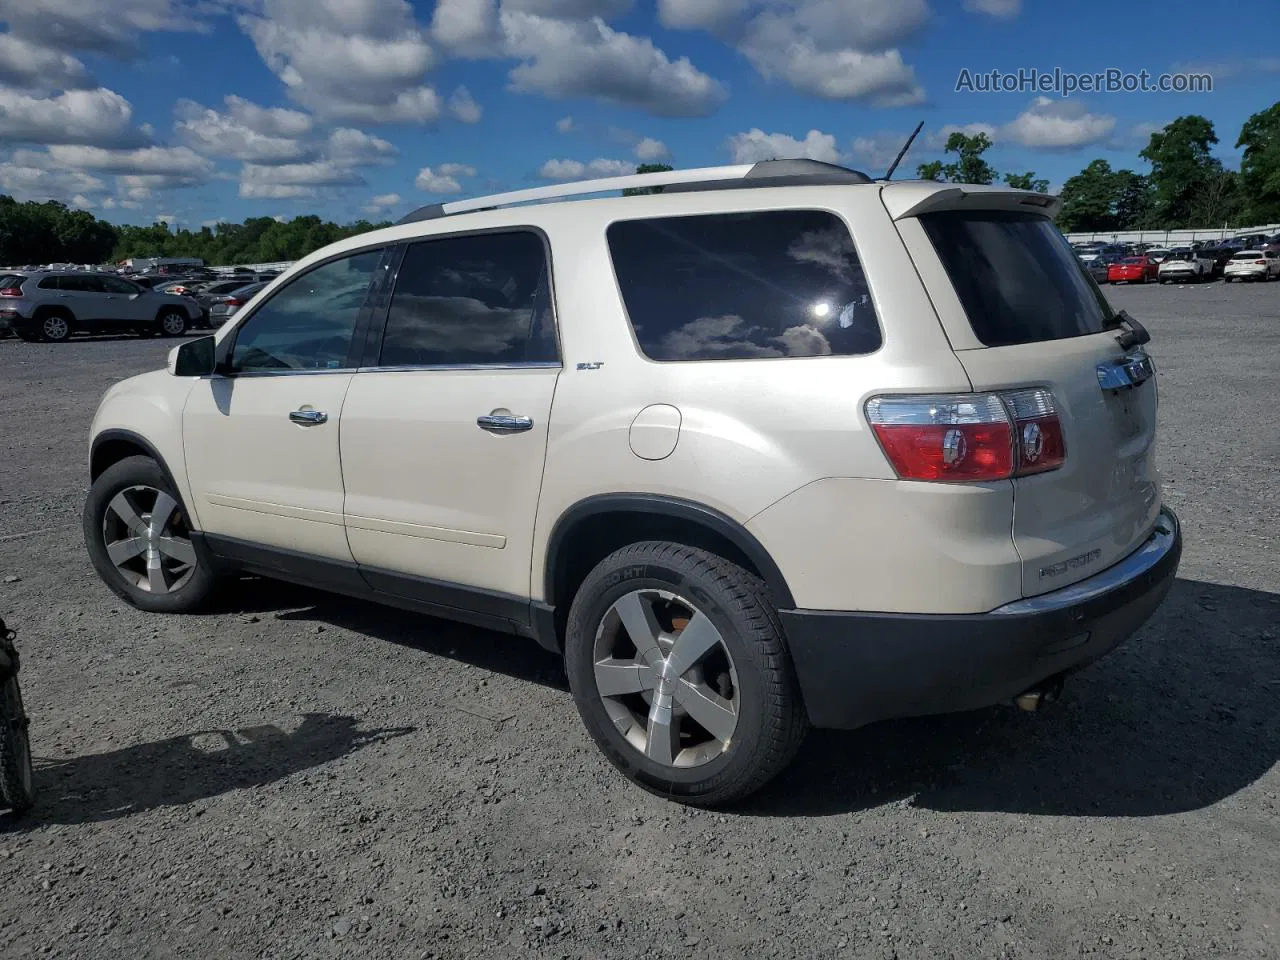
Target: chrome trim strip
column 1156, row 547
column 410, row 368
column 236, row 374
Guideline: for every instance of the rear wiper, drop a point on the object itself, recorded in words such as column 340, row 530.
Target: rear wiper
column 1134, row 336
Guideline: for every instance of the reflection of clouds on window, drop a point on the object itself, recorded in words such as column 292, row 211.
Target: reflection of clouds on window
column 460, row 327
column 731, row 337
column 830, row 249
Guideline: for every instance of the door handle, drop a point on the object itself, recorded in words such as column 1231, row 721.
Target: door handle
column 309, row 418
column 505, row 423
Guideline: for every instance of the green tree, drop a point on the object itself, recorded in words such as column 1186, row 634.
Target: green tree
column 1130, row 200
column 1259, row 182
column 933, row 170
column 1026, row 181
column 1181, row 167
column 969, row 165
column 1220, row 200
column 647, row 168
column 1099, row 198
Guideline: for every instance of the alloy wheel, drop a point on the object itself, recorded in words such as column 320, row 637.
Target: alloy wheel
column 55, row 328
column 173, row 324
column 147, row 539
column 666, row 678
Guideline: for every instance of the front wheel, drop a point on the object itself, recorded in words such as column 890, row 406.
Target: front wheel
column 55, row 328
column 678, row 667
column 139, row 539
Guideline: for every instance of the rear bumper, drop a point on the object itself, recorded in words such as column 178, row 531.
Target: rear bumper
column 856, row 668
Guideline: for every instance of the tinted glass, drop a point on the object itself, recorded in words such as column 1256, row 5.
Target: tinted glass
column 50, row 283
column 308, row 324
column 1015, row 277
column 740, row 286
column 81, row 283
column 116, row 285
column 471, row 300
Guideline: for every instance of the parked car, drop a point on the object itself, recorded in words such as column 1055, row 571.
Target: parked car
column 675, row 440
column 1099, row 267
column 1106, row 250
column 1252, row 265
column 1220, row 257
column 224, row 306
column 53, row 306
column 1184, row 264
column 1133, row 270
column 1157, row 254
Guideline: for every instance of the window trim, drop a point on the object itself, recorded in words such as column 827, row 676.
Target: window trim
column 382, row 312
column 631, row 327
column 227, row 345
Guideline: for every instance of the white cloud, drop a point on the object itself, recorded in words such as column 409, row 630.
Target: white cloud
column 700, row 14
column 430, row 181
column 464, row 107
column 350, row 147
column 354, row 60
column 98, row 117
column 168, row 219
column 234, row 135
column 81, row 202
column 274, row 191
column 590, row 59
column 648, row 150
column 1058, row 125
column 113, row 27
column 30, row 66
column 995, row 8
column 570, row 9
column 268, row 121
column 466, row 28
column 180, row 162
column 566, row 125
column 835, row 49
column 137, row 187
column 577, row 170
column 456, row 170
column 318, row 173
column 381, row 203
column 31, row 178
column 756, row 145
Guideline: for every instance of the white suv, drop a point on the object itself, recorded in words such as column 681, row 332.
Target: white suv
column 779, row 445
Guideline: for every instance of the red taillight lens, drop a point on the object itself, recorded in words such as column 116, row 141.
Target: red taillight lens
column 969, row 437
column 1261, row 263
column 11, row 292
column 232, row 302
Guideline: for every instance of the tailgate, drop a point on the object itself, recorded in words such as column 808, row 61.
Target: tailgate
column 1021, row 312
column 1102, row 503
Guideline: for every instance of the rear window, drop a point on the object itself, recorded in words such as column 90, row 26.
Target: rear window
column 1016, row 277
column 739, row 286
column 1248, row 255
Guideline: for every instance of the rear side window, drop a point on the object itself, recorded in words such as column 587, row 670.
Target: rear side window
column 740, row 286
column 1016, row 277
column 480, row 299
column 50, row 283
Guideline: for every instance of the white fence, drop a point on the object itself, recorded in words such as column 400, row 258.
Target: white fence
column 280, row 266
column 1171, row 238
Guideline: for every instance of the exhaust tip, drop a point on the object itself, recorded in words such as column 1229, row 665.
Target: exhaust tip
column 1040, row 695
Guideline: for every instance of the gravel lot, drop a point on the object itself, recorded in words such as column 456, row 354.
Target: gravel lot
column 304, row 776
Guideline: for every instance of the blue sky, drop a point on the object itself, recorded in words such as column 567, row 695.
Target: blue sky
column 200, row 110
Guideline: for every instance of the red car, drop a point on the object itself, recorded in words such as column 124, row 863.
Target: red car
column 1133, row 270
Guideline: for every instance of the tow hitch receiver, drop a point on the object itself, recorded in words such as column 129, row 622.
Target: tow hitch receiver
column 1040, row 695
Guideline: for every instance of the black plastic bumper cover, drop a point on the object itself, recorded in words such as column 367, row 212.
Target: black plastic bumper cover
column 856, row 668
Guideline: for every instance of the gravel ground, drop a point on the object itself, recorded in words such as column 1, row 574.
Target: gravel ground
column 303, row 776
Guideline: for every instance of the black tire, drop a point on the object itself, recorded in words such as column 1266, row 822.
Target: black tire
column 771, row 720
column 55, row 326
column 198, row 581
column 172, row 323
column 17, row 781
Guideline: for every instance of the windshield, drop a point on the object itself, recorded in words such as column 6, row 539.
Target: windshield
column 1016, row 277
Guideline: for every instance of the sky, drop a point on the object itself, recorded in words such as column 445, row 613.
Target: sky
column 195, row 111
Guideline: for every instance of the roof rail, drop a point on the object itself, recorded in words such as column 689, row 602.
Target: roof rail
column 766, row 173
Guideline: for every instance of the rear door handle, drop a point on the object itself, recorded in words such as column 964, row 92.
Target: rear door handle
column 309, row 418
column 505, row 423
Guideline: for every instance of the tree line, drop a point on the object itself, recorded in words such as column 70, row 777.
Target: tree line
column 1187, row 185
column 51, row 232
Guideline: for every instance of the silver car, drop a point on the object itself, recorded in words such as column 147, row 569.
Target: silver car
column 53, row 305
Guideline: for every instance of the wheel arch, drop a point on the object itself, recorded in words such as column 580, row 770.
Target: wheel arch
column 111, row 446
column 593, row 528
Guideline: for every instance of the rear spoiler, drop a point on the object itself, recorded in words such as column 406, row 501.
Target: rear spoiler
column 911, row 198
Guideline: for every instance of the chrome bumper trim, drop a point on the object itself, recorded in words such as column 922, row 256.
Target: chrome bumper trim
column 1163, row 538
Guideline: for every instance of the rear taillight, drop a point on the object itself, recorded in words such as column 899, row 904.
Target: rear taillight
column 969, row 437
column 1261, row 263
column 11, row 292
column 232, row 302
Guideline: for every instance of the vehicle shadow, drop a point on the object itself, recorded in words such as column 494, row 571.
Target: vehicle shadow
column 1183, row 715
column 186, row 769
column 517, row 657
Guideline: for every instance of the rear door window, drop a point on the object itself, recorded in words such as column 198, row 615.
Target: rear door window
column 1016, row 277
column 741, row 286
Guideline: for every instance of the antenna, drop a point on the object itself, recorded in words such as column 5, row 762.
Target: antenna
column 903, row 152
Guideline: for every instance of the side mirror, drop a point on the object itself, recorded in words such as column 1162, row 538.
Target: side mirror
column 195, row 358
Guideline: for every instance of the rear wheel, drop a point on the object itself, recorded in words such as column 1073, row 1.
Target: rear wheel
column 55, row 327
column 139, row 539
column 172, row 323
column 677, row 664
column 17, row 787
